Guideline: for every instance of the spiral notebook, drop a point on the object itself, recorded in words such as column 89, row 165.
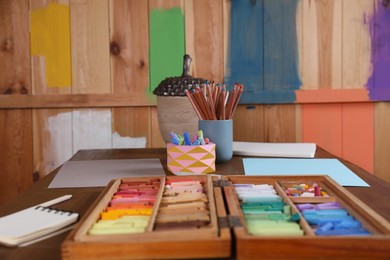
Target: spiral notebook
column 293, row 150
column 33, row 223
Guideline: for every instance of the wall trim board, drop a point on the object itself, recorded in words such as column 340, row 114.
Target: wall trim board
column 143, row 99
column 76, row 100
column 332, row 96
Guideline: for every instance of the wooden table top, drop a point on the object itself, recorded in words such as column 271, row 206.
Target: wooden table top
column 375, row 196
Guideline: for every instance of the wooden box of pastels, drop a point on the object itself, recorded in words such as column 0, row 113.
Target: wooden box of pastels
column 171, row 217
column 177, row 217
column 302, row 217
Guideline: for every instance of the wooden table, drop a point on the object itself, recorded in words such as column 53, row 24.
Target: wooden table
column 375, row 196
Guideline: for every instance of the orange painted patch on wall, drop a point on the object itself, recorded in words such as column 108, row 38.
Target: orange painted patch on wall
column 50, row 37
column 358, row 134
column 344, row 129
column 322, row 124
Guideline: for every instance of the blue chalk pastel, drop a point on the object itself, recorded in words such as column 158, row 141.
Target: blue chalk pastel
column 196, row 142
column 327, row 226
column 320, row 220
column 326, row 212
column 348, row 224
column 174, row 138
column 344, row 232
column 187, row 139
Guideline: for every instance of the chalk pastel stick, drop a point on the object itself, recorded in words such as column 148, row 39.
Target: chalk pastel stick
column 189, row 198
column 315, row 220
column 200, row 216
column 328, row 212
column 279, row 217
column 124, row 221
column 274, row 228
column 116, row 230
column 344, row 232
column 183, row 183
column 114, row 214
column 124, row 225
column 130, row 206
column 132, row 200
column 264, row 203
column 180, row 225
column 261, row 199
column 189, row 210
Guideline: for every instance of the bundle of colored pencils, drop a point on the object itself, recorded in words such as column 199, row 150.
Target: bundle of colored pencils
column 215, row 102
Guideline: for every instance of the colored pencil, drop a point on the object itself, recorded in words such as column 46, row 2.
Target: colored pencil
column 215, row 102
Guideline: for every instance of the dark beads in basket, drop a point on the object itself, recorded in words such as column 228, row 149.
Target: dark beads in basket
column 177, row 86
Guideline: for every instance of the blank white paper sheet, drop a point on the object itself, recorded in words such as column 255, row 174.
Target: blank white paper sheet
column 332, row 167
column 98, row 173
column 293, row 150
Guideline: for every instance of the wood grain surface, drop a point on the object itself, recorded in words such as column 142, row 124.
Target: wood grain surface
column 16, row 157
column 83, row 198
column 91, row 73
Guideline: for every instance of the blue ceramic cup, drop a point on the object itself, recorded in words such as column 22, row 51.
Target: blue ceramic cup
column 219, row 132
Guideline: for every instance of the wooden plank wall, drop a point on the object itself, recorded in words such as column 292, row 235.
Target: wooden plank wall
column 343, row 66
column 16, row 161
column 101, row 95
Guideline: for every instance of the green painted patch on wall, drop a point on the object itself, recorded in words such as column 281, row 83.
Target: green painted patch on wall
column 167, row 45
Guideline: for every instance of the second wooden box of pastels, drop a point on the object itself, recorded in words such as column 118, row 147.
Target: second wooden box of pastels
column 243, row 217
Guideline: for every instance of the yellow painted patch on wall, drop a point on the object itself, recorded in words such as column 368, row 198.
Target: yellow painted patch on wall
column 50, row 37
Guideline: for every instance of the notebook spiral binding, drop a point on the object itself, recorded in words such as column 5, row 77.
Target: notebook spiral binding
column 56, row 211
